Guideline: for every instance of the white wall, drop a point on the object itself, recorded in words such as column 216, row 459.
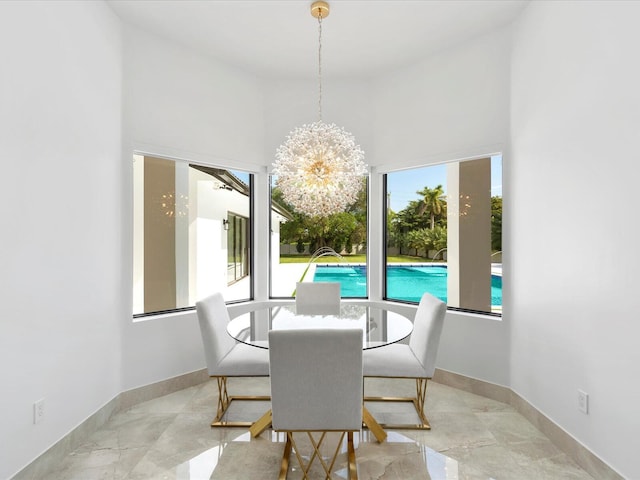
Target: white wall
column 61, row 283
column 181, row 105
column 190, row 106
column 476, row 347
column 450, row 106
column 571, row 228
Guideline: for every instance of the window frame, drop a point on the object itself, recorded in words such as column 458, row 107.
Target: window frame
column 385, row 235
column 251, row 224
column 367, row 189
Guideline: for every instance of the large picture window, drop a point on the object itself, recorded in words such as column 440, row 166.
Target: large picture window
column 444, row 234
column 329, row 248
column 192, row 234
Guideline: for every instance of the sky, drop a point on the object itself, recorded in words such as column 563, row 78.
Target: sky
column 403, row 185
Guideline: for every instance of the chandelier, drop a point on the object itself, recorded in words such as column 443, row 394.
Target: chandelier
column 319, row 166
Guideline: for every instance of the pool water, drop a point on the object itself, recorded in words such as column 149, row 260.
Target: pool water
column 404, row 282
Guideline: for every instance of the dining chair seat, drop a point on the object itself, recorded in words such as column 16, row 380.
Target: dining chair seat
column 396, row 360
column 416, row 360
column 245, row 361
column 225, row 357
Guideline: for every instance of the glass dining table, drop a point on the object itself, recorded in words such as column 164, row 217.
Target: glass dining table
column 380, row 327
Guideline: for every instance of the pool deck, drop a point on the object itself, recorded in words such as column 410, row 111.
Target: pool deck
column 285, row 276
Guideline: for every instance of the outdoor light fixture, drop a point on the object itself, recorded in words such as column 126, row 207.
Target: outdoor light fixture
column 319, row 167
column 225, row 224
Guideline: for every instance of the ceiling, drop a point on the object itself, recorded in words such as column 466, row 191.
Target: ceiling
column 280, row 38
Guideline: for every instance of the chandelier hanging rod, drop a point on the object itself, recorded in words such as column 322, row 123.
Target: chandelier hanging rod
column 320, row 10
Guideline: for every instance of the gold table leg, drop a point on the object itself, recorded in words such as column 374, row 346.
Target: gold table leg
column 373, row 425
column 261, row 424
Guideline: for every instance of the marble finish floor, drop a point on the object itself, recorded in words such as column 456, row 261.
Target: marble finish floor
column 472, row 437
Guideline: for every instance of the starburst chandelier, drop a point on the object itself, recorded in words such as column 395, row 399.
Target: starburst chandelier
column 319, row 166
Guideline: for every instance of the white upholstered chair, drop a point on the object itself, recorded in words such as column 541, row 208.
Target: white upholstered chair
column 226, row 357
column 316, row 386
column 415, row 360
column 318, row 298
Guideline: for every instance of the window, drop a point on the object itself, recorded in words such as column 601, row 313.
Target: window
column 318, row 249
column 192, row 234
column 444, row 234
column 237, row 247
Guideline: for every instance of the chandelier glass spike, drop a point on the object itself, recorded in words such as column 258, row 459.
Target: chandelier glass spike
column 319, row 166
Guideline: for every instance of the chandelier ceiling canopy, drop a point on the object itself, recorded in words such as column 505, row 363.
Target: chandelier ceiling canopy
column 319, row 166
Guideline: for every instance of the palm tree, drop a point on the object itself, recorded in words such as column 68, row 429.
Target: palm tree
column 433, row 202
column 438, row 239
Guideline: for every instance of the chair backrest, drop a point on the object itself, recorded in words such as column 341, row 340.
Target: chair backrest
column 316, row 379
column 427, row 328
column 319, row 298
column 213, row 317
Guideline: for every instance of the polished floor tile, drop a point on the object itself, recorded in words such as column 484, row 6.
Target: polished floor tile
column 472, row 438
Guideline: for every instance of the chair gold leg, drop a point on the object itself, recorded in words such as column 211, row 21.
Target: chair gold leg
column 418, row 403
column 317, row 444
column 421, row 394
column 316, row 453
column 351, row 452
column 305, row 469
column 224, row 401
column 284, row 464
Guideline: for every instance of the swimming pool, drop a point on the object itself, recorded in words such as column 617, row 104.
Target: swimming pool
column 404, row 282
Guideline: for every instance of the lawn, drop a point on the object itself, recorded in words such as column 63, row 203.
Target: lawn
column 352, row 259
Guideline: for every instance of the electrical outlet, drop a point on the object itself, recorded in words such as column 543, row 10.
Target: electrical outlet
column 38, row 411
column 583, row 401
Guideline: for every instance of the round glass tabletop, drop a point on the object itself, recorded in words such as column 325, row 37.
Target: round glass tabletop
column 380, row 326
